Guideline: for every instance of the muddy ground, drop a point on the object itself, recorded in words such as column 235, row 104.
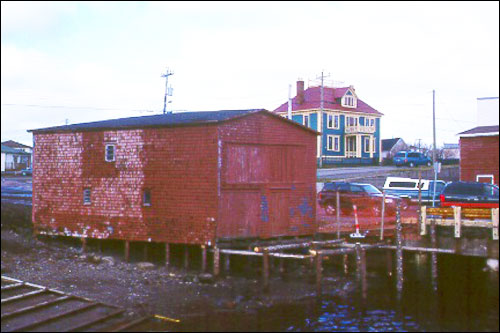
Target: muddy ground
column 173, row 292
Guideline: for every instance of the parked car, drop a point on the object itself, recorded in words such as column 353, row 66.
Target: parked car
column 25, row 172
column 366, row 197
column 470, row 194
column 407, row 189
column 411, row 158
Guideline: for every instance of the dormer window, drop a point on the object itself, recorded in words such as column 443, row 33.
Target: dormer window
column 349, row 100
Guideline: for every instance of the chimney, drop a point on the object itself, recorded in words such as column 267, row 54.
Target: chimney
column 300, row 91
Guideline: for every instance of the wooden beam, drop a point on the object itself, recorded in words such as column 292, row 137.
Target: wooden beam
column 494, row 219
column 34, row 307
column 457, row 211
column 25, row 295
column 423, row 224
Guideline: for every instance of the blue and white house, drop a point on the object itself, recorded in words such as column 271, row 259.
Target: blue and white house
column 350, row 128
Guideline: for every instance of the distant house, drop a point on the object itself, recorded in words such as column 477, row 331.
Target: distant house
column 26, row 160
column 450, row 151
column 350, row 128
column 391, row 146
column 479, row 154
column 13, row 159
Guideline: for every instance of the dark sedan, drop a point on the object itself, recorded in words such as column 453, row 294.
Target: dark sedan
column 470, row 194
column 366, row 197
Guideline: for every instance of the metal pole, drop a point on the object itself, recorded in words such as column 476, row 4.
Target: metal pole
column 434, row 146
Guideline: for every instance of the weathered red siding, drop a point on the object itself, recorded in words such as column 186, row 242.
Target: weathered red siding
column 248, row 177
column 479, row 156
column 269, row 167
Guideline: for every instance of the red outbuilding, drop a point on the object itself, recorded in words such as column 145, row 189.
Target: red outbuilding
column 185, row 178
column 479, row 154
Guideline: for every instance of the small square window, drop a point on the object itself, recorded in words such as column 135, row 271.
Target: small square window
column 86, row 196
column 110, row 153
column 146, row 198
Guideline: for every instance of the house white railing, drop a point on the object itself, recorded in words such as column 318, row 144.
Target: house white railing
column 359, row 129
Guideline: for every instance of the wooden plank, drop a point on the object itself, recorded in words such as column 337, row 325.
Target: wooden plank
column 54, row 317
column 94, row 321
column 13, row 286
column 129, row 325
column 29, row 294
column 34, row 307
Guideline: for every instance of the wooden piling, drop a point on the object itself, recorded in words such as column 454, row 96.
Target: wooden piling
column 399, row 253
column 319, row 271
column 84, row 244
column 382, row 217
column 281, row 264
column 419, row 208
column 337, row 210
column 167, row 255
column 389, row 262
column 265, row 270
column 216, row 261
column 127, row 251
column 494, row 219
column 227, row 263
column 423, row 218
column 457, row 214
column 203, row 258
column 346, row 264
column 145, row 253
column 186, row 257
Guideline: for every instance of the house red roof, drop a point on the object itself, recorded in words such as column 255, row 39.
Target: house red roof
column 312, row 100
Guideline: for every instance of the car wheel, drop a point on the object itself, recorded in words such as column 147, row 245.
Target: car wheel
column 412, row 164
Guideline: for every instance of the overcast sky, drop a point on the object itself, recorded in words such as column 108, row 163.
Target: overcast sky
column 91, row 61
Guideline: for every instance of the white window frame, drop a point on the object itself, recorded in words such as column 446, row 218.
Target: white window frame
column 106, row 152
column 365, row 140
column 333, row 137
column 308, row 122
column 486, row 176
column 87, row 194
column 332, row 117
column 347, row 122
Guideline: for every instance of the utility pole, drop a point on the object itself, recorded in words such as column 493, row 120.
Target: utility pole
column 166, row 75
column 320, row 120
column 434, row 145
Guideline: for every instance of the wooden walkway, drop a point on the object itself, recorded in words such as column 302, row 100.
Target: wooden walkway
column 30, row 307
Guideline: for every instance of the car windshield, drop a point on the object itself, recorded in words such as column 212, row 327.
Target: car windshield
column 371, row 189
column 400, row 155
column 329, row 187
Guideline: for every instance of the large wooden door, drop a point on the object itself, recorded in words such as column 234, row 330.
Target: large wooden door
column 279, row 216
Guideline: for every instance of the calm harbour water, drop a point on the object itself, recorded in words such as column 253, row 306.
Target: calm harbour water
column 466, row 299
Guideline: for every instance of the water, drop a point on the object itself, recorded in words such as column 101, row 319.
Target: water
column 466, row 299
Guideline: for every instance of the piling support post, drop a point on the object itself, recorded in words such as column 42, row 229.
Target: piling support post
column 84, row 244
column 457, row 214
column 399, row 253
column 186, row 256
column 419, row 209
column 319, row 273
column 203, row 258
column 423, row 218
column 167, row 255
column 227, row 263
column 494, row 219
column 281, row 264
column 337, row 211
column 216, row 261
column 346, row 264
column 434, row 272
column 389, row 262
column 265, row 270
column 127, row 251
column 145, row 254
column 382, row 215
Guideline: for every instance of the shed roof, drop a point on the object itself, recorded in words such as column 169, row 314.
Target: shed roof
column 164, row 120
column 14, row 144
column 481, row 131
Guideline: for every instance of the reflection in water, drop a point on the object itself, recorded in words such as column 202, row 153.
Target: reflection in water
column 466, row 299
